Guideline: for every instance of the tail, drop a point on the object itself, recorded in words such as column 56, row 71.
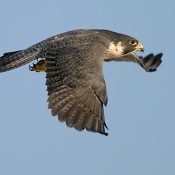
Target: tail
column 12, row 60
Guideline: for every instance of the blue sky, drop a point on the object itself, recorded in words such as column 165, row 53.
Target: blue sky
column 141, row 108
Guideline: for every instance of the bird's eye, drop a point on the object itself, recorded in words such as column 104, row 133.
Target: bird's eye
column 133, row 42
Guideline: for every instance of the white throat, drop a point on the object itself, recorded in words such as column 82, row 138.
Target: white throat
column 115, row 50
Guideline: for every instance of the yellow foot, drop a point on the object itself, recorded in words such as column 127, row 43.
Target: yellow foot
column 38, row 67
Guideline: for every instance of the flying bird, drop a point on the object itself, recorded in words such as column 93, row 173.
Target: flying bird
column 73, row 62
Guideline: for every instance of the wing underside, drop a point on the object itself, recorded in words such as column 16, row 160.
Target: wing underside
column 76, row 87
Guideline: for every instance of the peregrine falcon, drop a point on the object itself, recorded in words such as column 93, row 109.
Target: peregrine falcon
column 73, row 62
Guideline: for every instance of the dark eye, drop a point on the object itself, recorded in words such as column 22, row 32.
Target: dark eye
column 133, row 42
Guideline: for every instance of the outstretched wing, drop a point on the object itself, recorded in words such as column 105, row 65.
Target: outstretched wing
column 76, row 86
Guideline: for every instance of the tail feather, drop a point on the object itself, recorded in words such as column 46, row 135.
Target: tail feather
column 11, row 53
column 12, row 60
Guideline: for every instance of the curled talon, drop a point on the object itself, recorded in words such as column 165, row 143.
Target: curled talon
column 38, row 67
column 30, row 68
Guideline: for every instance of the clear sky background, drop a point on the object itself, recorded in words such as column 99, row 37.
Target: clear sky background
column 141, row 108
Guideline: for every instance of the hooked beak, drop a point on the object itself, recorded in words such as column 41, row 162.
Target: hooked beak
column 139, row 47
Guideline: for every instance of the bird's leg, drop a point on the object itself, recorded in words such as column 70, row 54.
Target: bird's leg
column 38, row 67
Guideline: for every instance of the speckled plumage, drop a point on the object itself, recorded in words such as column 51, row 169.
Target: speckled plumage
column 74, row 75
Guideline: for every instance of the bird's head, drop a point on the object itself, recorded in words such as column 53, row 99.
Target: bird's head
column 122, row 46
